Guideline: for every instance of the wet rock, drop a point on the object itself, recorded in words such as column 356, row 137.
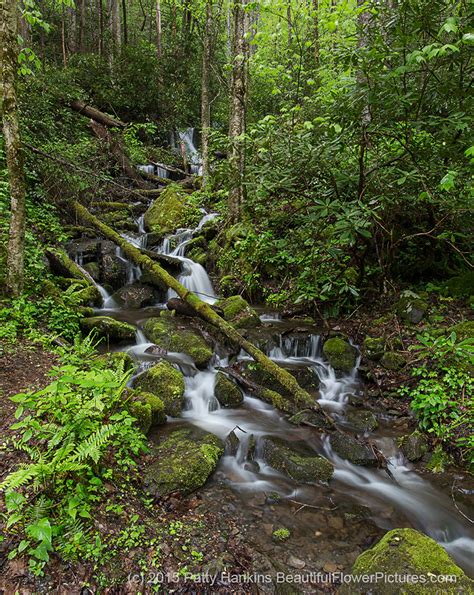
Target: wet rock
column 155, row 350
column 394, row 361
column 340, row 354
column 93, row 269
column 414, row 446
column 294, row 562
column 108, row 327
column 306, row 378
column 84, row 249
column 296, row 460
column 113, row 270
column 146, row 408
column 166, row 382
column 308, row 417
column 349, row 448
column 227, row 392
column 136, row 296
column 165, row 332
column 184, row 461
column 238, row 312
column 374, row 347
column 170, row 211
column 408, row 552
column 362, row 421
column 411, row 308
column 232, row 444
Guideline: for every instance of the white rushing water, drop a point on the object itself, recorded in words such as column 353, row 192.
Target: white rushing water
column 184, row 139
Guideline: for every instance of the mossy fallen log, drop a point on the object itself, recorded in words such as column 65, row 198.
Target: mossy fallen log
column 299, row 396
column 95, row 114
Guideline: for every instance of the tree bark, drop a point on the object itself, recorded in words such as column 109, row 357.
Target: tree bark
column 316, row 31
column 299, row 396
column 158, row 29
column 115, row 21
column 100, row 9
column 205, row 94
column 238, row 104
column 95, row 114
column 124, row 21
column 363, row 21
column 13, row 149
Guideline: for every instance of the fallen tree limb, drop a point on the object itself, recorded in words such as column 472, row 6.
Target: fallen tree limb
column 299, row 396
column 95, row 114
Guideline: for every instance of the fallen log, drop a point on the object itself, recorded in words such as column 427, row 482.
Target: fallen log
column 300, row 397
column 95, row 114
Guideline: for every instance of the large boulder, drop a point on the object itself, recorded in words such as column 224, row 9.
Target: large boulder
column 340, row 354
column 184, row 460
column 113, row 269
column 167, row 383
column 349, row 448
column 117, row 359
column 374, row 347
column 408, row 553
column 362, row 420
column 295, row 460
column 227, row 392
column 414, row 446
column 171, row 211
column 238, row 312
column 411, row 308
column 393, row 361
column 136, row 296
column 166, row 333
column 111, row 329
column 146, row 408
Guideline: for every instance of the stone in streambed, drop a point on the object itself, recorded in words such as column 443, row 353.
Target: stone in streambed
column 185, row 459
column 227, row 392
column 170, row 211
column 362, row 420
column 108, row 327
column 167, row 383
column 340, row 354
column 414, row 446
column 165, row 333
column 407, row 552
column 146, row 408
column 308, row 417
column 113, row 270
column 232, row 444
column 295, row 460
column 349, row 448
column 136, row 296
column 238, row 312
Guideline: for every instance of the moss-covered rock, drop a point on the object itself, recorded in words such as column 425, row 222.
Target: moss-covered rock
column 414, row 446
column 309, row 417
column 340, row 354
column 167, row 383
column 108, row 327
column 362, row 420
column 238, row 312
column 374, row 347
column 136, row 296
column 460, row 285
column 463, row 330
column 116, row 359
column 411, row 308
column 165, row 332
column 227, row 392
column 93, row 269
column 408, row 552
column 171, row 211
column 296, row 460
column 184, row 461
column 354, row 451
column 392, row 360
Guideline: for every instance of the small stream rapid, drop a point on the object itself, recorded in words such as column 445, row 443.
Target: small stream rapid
column 404, row 499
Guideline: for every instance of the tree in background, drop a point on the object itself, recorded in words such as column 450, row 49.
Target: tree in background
column 205, row 93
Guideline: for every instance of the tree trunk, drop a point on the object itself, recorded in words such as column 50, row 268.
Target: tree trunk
column 363, row 25
column 13, row 149
column 63, row 35
column 238, row 104
column 100, row 10
column 95, row 114
column 81, row 26
column 124, row 20
column 115, row 21
column 205, row 94
column 158, row 29
column 299, row 396
column 316, row 31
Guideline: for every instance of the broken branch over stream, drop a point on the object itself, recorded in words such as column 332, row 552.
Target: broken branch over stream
column 301, row 398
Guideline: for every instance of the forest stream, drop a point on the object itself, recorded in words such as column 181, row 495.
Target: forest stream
column 329, row 520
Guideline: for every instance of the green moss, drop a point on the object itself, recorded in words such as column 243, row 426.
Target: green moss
column 115, row 359
column 281, row 534
column 414, row 446
column 227, row 392
column 171, row 211
column 148, row 409
column 238, row 312
column 340, row 354
column 142, row 413
column 108, row 327
column 167, row 383
column 460, row 285
column 411, row 308
column 463, row 330
column 165, row 333
column 184, row 461
column 362, row 421
column 408, row 552
column 392, row 360
column 373, row 347
column 354, row 451
column 438, row 461
column 275, row 399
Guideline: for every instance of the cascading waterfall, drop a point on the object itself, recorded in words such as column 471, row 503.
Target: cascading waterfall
column 185, row 138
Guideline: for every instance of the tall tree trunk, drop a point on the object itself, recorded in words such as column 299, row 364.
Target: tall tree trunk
column 81, row 26
column 363, row 26
column 289, row 23
column 124, row 22
column 115, row 20
column 11, row 132
column 158, row 28
column 205, row 94
column 63, row 35
column 238, row 104
column 100, row 10
column 316, row 31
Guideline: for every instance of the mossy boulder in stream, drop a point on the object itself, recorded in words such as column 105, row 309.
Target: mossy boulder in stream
column 362, row 420
column 407, row 552
column 374, row 347
column 227, row 392
column 171, row 211
column 238, row 312
column 340, row 354
column 117, row 359
column 136, row 296
column 184, row 460
column 295, row 460
column 108, row 327
column 167, row 334
column 414, row 446
column 351, row 449
column 167, row 383
column 146, row 408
